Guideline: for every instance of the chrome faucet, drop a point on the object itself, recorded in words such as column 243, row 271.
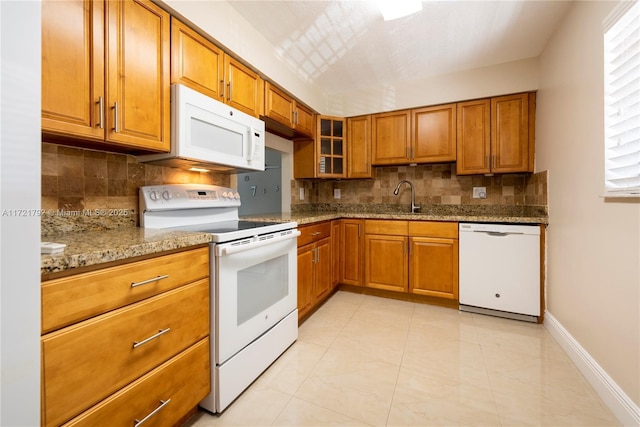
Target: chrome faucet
column 414, row 208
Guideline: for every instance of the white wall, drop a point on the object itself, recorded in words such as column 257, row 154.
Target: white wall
column 593, row 287
column 501, row 79
column 20, row 235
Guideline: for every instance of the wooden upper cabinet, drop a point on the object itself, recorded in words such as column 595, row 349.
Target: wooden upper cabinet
column 496, row 135
column 390, row 138
column 285, row 110
column 305, row 120
column 474, row 137
column 195, row 61
column 359, row 147
column 105, row 72
column 331, row 147
column 73, row 68
column 433, row 134
column 243, row 87
column 510, row 133
column 138, row 74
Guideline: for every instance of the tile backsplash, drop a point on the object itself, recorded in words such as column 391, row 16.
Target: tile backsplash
column 90, row 188
column 434, row 184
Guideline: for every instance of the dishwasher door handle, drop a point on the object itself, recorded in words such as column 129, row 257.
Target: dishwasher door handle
column 499, row 233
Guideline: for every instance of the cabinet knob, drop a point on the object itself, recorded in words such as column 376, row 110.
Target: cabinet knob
column 497, row 295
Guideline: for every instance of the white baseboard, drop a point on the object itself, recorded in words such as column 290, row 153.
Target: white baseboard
column 627, row 412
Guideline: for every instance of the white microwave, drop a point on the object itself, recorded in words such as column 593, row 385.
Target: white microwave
column 207, row 134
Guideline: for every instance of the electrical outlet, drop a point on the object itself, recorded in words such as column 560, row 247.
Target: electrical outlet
column 479, row 192
column 302, row 194
column 336, row 193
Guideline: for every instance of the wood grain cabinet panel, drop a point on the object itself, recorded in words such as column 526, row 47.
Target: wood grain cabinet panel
column 86, row 362
column 352, row 262
column 433, row 135
column 243, row 87
column 175, row 387
column 105, row 73
column 434, row 267
column 195, row 61
column 315, row 266
column 74, row 298
column 386, row 262
column 496, row 135
column 391, row 138
column 359, row 147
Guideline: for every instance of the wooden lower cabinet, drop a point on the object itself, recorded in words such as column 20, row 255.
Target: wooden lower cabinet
column 103, row 366
column 336, row 232
column 352, row 250
column 415, row 257
column 315, row 261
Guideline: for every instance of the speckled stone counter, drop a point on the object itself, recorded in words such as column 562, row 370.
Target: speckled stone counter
column 95, row 247
column 460, row 213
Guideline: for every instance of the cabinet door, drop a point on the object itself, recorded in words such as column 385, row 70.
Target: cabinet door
column 242, row 89
column 305, row 120
column 510, row 133
column 306, row 257
column 434, row 267
column 73, row 68
column 336, row 255
column 433, row 135
column 330, row 147
column 386, row 262
column 322, row 279
column 352, row 251
column 390, row 138
column 359, row 147
column 195, row 61
column 138, row 75
column 474, row 137
column 277, row 105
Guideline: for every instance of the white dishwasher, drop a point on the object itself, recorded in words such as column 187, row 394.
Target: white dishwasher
column 500, row 270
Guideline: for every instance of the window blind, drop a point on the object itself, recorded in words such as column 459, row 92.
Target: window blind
column 622, row 101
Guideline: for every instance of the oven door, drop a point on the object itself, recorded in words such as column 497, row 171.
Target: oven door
column 256, row 287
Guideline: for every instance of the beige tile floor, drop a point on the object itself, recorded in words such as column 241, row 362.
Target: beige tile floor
column 363, row 360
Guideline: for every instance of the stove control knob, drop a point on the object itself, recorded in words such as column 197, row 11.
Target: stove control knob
column 225, row 195
column 237, row 196
column 166, row 195
column 153, row 195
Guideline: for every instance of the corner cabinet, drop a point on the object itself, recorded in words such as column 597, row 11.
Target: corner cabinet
column 326, row 155
column 105, row 73
column 496, row 135
column 124, row 343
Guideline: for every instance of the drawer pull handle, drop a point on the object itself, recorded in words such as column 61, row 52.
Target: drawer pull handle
column 316, row 233
column 153, row 279
column 137, row 344
column 163, row 403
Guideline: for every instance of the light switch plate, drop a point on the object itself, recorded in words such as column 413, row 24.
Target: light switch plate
column 479, row 192
column 302, row 194
column 336, row 193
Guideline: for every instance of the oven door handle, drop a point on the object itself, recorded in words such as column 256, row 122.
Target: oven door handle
column 230, row 248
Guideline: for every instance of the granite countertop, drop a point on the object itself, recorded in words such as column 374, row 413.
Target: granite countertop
column 95, row 247
column 88, row 248
column 487, row 214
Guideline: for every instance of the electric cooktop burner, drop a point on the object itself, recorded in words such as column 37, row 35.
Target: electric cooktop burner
column 229, row 226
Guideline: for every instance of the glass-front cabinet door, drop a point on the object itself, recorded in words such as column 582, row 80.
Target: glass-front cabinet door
column 331, row 147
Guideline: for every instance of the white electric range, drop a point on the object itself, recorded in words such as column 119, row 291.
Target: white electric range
column 254, row 316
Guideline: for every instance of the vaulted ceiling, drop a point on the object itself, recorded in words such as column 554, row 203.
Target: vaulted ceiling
column 343, row 46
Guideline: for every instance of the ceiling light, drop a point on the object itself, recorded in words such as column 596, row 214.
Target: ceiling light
column 394, row 9
column 199, row 170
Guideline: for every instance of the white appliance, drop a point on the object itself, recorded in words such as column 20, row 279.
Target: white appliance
column 254, row 316
column 207, row 134
column 500, row 270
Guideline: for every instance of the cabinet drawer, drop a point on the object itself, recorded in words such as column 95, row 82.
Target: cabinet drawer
column 79, row 297
column 433, row 229
column 84, row 363
column 386, row 227
column 313, row 233
column 182, row 382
